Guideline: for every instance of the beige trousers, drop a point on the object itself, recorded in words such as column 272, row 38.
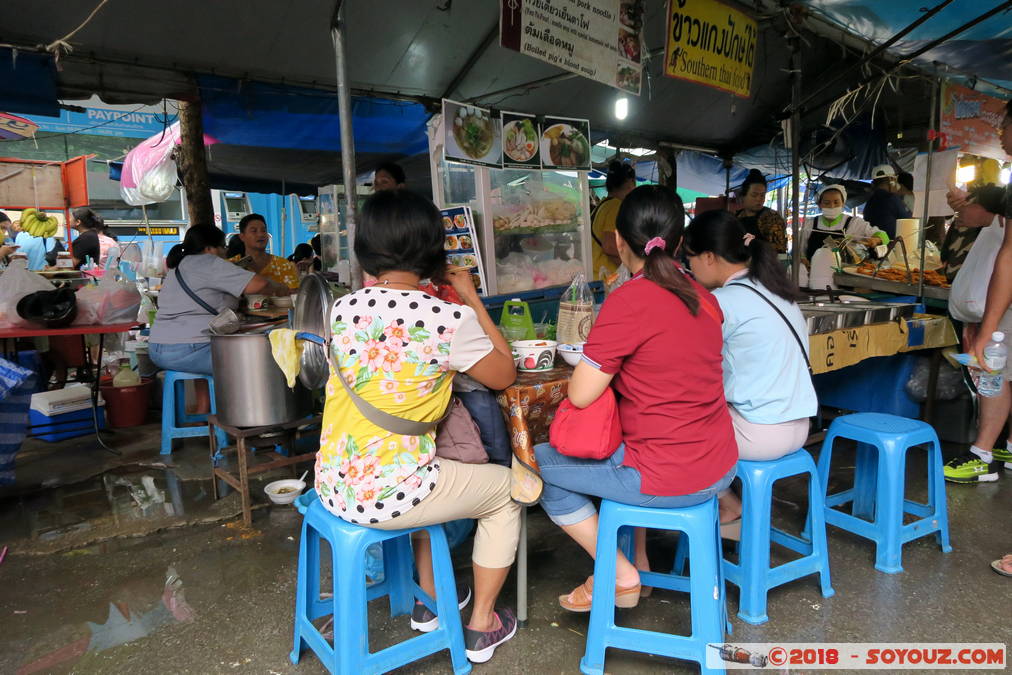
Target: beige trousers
column 480, row 491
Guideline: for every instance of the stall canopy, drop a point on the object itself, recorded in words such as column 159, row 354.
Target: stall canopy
column 418, row 50
column 276, row 138
column 983, row 50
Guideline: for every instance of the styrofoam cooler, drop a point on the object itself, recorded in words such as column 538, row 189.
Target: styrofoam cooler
column 63, row 413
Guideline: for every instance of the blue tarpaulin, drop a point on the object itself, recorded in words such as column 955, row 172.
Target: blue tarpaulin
column 275, row 116
column 28, row 83
column 984, row 50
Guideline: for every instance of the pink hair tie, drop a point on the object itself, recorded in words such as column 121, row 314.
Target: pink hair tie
column 748, row 238
column 656, row 242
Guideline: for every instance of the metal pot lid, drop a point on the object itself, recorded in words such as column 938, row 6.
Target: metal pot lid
column 312, row 315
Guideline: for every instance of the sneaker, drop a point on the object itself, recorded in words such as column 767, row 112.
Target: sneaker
column 424, row 620
column 1003, row 455
column 969, row 468
column 480, row 645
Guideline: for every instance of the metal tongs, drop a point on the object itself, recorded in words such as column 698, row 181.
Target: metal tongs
column 889, row 249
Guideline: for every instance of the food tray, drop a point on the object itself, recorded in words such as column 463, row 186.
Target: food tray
column 819, row 322
column 865, row 281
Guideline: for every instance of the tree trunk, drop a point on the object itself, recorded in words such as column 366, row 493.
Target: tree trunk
column 193, row 164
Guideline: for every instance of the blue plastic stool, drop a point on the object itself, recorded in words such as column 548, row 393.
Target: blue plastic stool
column 174, row 415
column 752, row 574
column 705, row 585
column 348, row 543
column 878, row 492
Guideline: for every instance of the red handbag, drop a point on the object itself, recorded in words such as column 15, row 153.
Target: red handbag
column 594, row 432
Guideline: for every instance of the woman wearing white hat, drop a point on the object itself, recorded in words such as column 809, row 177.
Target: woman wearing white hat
column 833, row 223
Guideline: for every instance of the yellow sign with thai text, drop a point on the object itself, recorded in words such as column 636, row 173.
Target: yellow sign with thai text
column 711, row 44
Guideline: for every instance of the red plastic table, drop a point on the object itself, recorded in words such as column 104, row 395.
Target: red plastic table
column 101, row 331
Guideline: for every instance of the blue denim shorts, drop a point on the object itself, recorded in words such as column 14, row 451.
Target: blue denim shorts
column 570, row 482
column 188, row 358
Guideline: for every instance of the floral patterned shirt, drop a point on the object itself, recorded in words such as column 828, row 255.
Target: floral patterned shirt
column 399, row 350
column 278, row 269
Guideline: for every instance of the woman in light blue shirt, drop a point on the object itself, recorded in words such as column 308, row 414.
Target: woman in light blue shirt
column 766, row 380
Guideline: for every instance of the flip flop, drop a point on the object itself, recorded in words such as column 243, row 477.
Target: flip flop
column 996, row 565
column 731, row 530
column 625, row 598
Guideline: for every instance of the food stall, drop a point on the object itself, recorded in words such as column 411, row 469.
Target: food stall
column 531, row 216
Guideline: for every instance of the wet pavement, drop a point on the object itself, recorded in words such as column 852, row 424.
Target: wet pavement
column 125, row 565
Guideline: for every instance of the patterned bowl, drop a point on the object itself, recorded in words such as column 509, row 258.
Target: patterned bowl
column 535, row 355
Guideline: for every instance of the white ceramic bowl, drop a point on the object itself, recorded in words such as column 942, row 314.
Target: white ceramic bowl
column 296, row 486
column 535, row 355
column 571, row 354
column 283, row 301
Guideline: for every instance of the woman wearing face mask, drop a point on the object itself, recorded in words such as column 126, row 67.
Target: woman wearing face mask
column 832, row 222
column 253, row 234
column 178, row 340
column 758, row 220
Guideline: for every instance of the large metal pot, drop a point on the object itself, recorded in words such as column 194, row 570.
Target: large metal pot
column 249, row 388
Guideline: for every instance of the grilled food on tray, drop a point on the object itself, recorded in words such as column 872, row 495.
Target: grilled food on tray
column 899, row 274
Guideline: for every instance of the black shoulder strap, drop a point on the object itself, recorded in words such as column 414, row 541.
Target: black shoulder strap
column 193, row 296
column 804, row 352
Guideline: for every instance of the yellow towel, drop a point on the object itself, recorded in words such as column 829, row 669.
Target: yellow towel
column 287, row 353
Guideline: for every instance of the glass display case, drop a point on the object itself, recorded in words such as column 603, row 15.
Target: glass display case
column 533, row 225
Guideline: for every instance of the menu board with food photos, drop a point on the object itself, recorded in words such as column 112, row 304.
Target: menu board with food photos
column 461, row 244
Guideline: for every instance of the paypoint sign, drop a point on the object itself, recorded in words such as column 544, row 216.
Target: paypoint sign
column 712, row 44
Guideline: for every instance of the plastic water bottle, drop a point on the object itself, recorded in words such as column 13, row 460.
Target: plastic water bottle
column 995, row 357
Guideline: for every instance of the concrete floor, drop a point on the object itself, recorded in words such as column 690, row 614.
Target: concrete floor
column 105, row 576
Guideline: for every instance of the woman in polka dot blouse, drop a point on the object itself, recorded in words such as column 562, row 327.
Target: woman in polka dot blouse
column 399, row 348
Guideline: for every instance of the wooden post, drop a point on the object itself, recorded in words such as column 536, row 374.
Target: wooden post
column 193, row 164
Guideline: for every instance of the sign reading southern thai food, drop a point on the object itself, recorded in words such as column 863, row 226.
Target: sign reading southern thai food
column 712, row 44
column 969, row 120
column 598, row 39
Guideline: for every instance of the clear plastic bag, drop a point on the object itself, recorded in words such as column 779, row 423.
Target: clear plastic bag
column 576, row 312
column 120, row 303
column 950, row 381
column 15, row 283
column 111, row 301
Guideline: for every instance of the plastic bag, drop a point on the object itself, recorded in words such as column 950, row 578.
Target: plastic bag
column 109, row 302
column 15, row 283
column 969, row 288
column 89, row 303
column 120, row 303
column 950, row 381
column 576, row 312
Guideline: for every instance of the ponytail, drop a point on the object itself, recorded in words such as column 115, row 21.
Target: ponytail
column 651, row 220
column 660, row 268
column 198, row 238
column 765, row 268
column 722, row 234
column 89, row 219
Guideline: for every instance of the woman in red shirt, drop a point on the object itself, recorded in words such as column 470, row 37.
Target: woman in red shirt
column 658, row 342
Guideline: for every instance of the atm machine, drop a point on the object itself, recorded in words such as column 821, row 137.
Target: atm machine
column 305, row 217
column 235, row 205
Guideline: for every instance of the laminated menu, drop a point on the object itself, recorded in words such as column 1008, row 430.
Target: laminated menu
column 576, row 312
column 461, row 244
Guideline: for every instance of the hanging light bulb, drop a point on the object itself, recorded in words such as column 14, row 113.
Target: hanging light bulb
column 621, row 107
